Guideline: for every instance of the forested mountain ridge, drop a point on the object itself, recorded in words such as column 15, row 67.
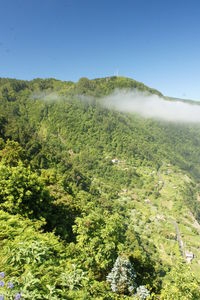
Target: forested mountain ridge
column 99, row 188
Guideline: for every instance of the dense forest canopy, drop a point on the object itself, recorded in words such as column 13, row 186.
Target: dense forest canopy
column 95, row 203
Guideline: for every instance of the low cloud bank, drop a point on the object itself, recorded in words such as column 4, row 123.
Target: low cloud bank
column 49, row 97
column 152, row 106
column 144, row 104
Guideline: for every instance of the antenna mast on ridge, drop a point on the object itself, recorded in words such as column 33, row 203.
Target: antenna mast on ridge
column 116, row 73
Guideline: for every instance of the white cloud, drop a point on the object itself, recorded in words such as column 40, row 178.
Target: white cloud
column 152, row 106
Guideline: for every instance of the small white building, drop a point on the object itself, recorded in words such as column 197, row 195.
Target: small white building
column 189, row 256
column 148, row 201
column 115, row 161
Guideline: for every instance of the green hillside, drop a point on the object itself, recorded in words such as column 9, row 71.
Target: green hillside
column 95, row 203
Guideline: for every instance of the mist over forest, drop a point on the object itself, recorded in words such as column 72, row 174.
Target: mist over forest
column 153, row 106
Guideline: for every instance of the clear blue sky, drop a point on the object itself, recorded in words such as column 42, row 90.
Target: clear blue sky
column 153, row 41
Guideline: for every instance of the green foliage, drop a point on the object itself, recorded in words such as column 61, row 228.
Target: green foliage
column 99, row 237
column 82, row 185
column 21, row 191
column 180, row 284
column 36, row 261
column 12, row 153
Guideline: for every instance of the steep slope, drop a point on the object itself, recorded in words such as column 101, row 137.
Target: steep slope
column 122, row 184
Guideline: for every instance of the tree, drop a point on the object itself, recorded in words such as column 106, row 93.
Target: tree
column 21, row 191
column 122, row 276
column 99, row 236
column 12, row 153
